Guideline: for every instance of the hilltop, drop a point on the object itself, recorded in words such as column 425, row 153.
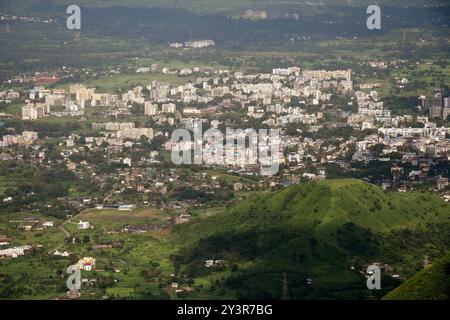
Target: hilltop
column 326, row 231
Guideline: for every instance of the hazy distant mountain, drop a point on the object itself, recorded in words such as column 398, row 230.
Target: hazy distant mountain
column 210, row 6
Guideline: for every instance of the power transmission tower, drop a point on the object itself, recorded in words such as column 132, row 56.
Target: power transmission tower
column 285, row 295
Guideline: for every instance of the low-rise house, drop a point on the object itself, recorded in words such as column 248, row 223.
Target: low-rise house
column 61, row 254
column 238, row 186
column 87, row 263
column 83, row 225
column 215, row 263
column 442, row 183
column 47, row 224
column 183, row 218
column 209, row 263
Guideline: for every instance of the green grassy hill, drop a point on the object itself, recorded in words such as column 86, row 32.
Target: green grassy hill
column 432, row 283
column 319, row 231
column 327, row 231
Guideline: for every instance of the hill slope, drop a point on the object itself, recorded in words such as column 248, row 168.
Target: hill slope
column 432, row 283
column 317, row 230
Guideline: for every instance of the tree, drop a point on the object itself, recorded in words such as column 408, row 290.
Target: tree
column 377, row 149
column 104, row 144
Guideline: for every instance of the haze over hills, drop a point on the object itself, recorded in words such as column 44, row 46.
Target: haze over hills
column 214, row 6
column 114, row 31
column 325, row 231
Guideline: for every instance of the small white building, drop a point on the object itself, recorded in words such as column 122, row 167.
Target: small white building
column 61, row 254
column 47, row 224
column 209, row 263
column 127, row 161
column 83, row 225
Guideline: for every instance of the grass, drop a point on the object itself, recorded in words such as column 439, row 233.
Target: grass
column 229, row 178
column 431, row 283
column 13, row 108
column 278, row 225
column 114, row 218
column 332, row 202
column 315, row 230
column 135, row 255
column 120, row 292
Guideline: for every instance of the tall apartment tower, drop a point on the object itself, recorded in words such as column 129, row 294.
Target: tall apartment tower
column 150, row 109
column 436, row 106
column 446, row 109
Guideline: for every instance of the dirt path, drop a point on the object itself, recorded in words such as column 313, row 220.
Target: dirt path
column 65, row 231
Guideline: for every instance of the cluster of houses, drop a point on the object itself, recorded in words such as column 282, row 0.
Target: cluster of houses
column 26, row 138
column 193, row 44
column 32, row 224
column 8, row 96
column 15, row 251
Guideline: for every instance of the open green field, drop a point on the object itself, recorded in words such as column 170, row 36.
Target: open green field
column 229, row 178
column 110, row 218
column 171, row 62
